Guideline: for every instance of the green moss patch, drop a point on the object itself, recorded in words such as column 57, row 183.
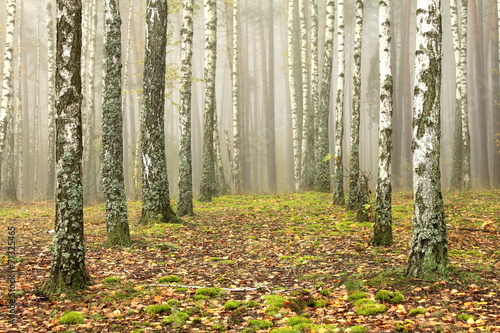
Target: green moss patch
column 370, row 309
column 296, row 320
column 157, row 308
column 71, row 318
column 169, row 279
column 358, row 329
column 260, row 324
column 110, row 279
column 211, row 292
column 414, row 312
column 232, row 304
column 356, row 295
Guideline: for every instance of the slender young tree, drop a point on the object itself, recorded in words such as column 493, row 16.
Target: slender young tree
column 269, row 119
column 185, row 204
column 466, row 168
column 338, row 174
column 67, row 271
column 382, row 229
column 112, row 133
column 155, row 192
column 310, row 179
column 428, row 258
column 456, row 171
column 207, row 185
column 237, row 167
column 353, row 189
column 51, row 167
column 294, row 92
column 322, row 170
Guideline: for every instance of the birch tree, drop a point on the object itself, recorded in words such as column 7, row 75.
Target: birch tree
column 322, row 170
column 338, row 174
column 313, row 127
column 185, row 204
column 237, row 167
column 295, row 108
column 382, row 229
column 50, row 190
column 68, row 271
column 353, row 195
column 207, row 186
column 456, row 171
column 156, row 198
column 428, row 256
column 112, row 132
column 466, row 168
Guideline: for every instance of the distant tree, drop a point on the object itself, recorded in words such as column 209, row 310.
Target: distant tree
column 466, row 168
column 208, row 184
column 237, row 176
column 51, row 167
column 352, row 195
column 428, row 257
column 322, row 169
column 6, row 109
column 115, row 199
column 67, row 271
column 185, row 204
column 382, row 229
column 156, row 198
column 338, row 174
column 293, row 62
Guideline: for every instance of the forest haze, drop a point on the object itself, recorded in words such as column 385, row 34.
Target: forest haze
column 31, row 92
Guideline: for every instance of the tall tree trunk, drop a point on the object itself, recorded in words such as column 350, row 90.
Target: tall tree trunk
column 322, row 169
column 292, row 64
column 338, row 174
column 155, row 191
column 67, row 271
column 270, row 122
column 495, row 77
column 51, row 167
column 20, row 119
column 237, row 167
column 7, row 110
column 353, row 195
column 112, row 133
column 428, row 257
column 185, row 204
column 36, row 116
column 456, row 171
column 382, row 229
column 466, row 167
column 207, row 185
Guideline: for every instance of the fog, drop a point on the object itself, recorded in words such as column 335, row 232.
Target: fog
column 30, row 87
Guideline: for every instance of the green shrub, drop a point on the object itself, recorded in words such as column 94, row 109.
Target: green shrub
column 297, row 320
column 414, row 312
column 370, row 309
column 71, row 318
column 261, row 324
column 358, row 294
column 110, row 279
column 169, row 279
column 157, row 308
column 232, row 304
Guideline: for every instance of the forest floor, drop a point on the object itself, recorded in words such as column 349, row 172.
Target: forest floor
column 288, row 263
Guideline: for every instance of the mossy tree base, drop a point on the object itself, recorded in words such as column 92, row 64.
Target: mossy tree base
column 167, row 216
column 64, row 283
column 382, row 234
column 119, row 236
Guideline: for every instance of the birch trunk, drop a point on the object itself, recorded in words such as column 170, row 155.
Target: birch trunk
column 353, row 195
column 382, row 229
column 322, row 170
column 36, row 116
column 295, row 108
column 428, row 258
column 207, row 185
column 313, row 128
column 67, row 271
column 270, row 121
column 156, row 198
column 456, row 171
column 19, row 116
column 338, row 175
column 466, row 168
column 185, row 204
column 6, row 108
column 50, row 190
column 115, row 199
column 237, row 167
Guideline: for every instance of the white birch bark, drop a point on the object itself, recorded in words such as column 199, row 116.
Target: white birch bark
column 321, row 144
column 185, row 204
column 352, row 195
column 50, row 104
column 207, row 185
column 382, row 229
column 237, row 167
column 313, row 128
column 428, row 256
column 36, row 118
column 338, row 174
column 19, row 116
column 466, row 168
